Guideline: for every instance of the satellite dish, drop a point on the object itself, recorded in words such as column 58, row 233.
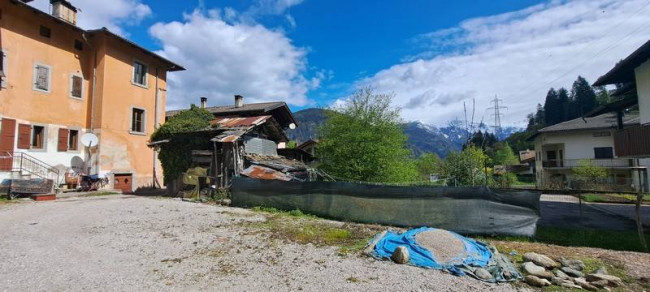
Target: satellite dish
column 292, row 126
column 89, row 140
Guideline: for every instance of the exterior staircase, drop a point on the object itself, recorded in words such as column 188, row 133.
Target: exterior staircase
column 22, row 166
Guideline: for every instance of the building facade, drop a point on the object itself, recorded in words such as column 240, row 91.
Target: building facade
column 561, row 148
column 60, row 82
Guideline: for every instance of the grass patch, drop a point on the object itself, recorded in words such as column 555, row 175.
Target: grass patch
column 614, row 198
column 614, row 240
column 5, row 200
column 99, row 194
column 296, row 226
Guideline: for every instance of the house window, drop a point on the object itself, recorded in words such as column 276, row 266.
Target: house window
column 604, row 152
column 73, row 140
column 137, row 120
column 42, row 76
column 3, row 68
column 45, row 32
column 38, row 137
column 78, row 45
column 140, row 73
column 76, row 86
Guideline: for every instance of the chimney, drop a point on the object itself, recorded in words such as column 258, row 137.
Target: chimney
column 64, row 10
column 204, row 101
column 239, row 101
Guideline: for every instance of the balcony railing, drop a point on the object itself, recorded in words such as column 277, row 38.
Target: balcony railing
column 633, row 141
column 570, row 163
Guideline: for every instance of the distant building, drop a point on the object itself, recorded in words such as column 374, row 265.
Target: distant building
column 563, row 147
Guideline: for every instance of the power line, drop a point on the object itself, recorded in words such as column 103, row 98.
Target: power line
column 497, row 114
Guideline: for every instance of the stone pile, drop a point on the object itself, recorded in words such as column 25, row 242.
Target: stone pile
column 543, row 271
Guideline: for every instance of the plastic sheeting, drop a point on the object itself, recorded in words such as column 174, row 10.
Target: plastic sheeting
column 476, row 255
column 465, row 210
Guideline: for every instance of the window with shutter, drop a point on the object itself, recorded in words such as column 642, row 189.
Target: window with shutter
column 42, row 78
column 76, row 84
column 3, row 68
column 62, row 144
column 73, row 140
column 24, row 134
column 38, row 137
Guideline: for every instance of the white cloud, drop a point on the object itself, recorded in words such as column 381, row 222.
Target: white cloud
column 112, row 14
column 517, row 55
column 226, row 58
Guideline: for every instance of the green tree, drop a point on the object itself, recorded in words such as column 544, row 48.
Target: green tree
column 504, row 155
column 176, row 156
column 583, row 98
column 588, row 172
column 552, row 109
column 602, row 95
column 466, row 168
column 564, row 104
column 427, row 164
column 363, row 140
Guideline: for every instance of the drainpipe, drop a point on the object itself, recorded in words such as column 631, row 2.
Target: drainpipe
column 155, row 126
column 92, row 100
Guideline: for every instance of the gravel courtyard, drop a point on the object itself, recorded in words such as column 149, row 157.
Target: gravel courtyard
column 130, row 243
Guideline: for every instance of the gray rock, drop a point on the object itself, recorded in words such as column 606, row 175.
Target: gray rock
column 564, row 283
column 401, row 255
column 600, row 283
column 536, row 282
column 612, row 280
column 540, row 260
column 584, row 284
column 535, row 270
column 602, row 270
column 562, row 275
column 577, row 265
column 483, row 274
column 571, row 272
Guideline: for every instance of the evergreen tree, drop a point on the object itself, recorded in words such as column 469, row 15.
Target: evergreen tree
column 583, row 98
column 552, row 113
column 602, row 96
column 563, row 104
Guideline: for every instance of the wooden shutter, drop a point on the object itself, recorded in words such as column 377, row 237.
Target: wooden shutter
column 62, row 144
column 42, row 74
column 76, row 86
column 24, row 134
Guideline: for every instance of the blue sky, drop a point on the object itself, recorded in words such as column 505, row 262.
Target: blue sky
column 432, row 55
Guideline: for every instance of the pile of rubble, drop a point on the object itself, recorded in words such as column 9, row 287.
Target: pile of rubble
column 543, row 271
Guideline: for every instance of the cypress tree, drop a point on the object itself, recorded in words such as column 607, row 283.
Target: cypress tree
column 552, row 113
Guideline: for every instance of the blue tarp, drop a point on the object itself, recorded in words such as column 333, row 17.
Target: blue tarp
column 477, row 253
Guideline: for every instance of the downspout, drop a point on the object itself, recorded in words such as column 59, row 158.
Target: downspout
column 155, row 126
column 92, row 100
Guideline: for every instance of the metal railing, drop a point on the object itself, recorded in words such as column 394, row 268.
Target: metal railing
column 28, row 164
column 569, row 163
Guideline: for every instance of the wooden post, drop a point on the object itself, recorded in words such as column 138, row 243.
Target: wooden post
column 637, row 211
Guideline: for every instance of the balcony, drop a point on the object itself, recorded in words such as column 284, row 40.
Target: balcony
column 571, row 163
column 633, row 142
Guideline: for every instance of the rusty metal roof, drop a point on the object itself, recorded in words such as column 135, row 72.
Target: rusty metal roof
column 239, row 122
column 261, row 172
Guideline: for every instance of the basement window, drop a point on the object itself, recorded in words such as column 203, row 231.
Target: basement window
column 38, row 137
column 45, row 32
column 137, row 121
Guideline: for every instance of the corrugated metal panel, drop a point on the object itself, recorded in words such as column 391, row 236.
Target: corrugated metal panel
column 260, row 146
column 240, row 122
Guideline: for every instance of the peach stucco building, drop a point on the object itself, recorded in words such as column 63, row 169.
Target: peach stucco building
column 60, row 81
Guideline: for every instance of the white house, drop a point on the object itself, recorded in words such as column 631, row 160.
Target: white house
column 563, row 147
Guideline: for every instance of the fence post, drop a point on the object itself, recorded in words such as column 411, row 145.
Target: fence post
column 637, row 211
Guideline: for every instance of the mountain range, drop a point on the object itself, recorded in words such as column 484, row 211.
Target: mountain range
column 422, row 138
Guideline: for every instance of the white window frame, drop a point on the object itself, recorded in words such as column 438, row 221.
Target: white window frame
column 4, row 68
column 71, row 86
column 144, row 121
column 31, row 138
column 49, row 78
column 78, row 140
column 146, row 74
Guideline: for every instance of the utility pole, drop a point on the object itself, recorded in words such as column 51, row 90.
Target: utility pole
column 497, row 114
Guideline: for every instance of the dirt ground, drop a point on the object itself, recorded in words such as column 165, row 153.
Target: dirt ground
column 129, row 243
